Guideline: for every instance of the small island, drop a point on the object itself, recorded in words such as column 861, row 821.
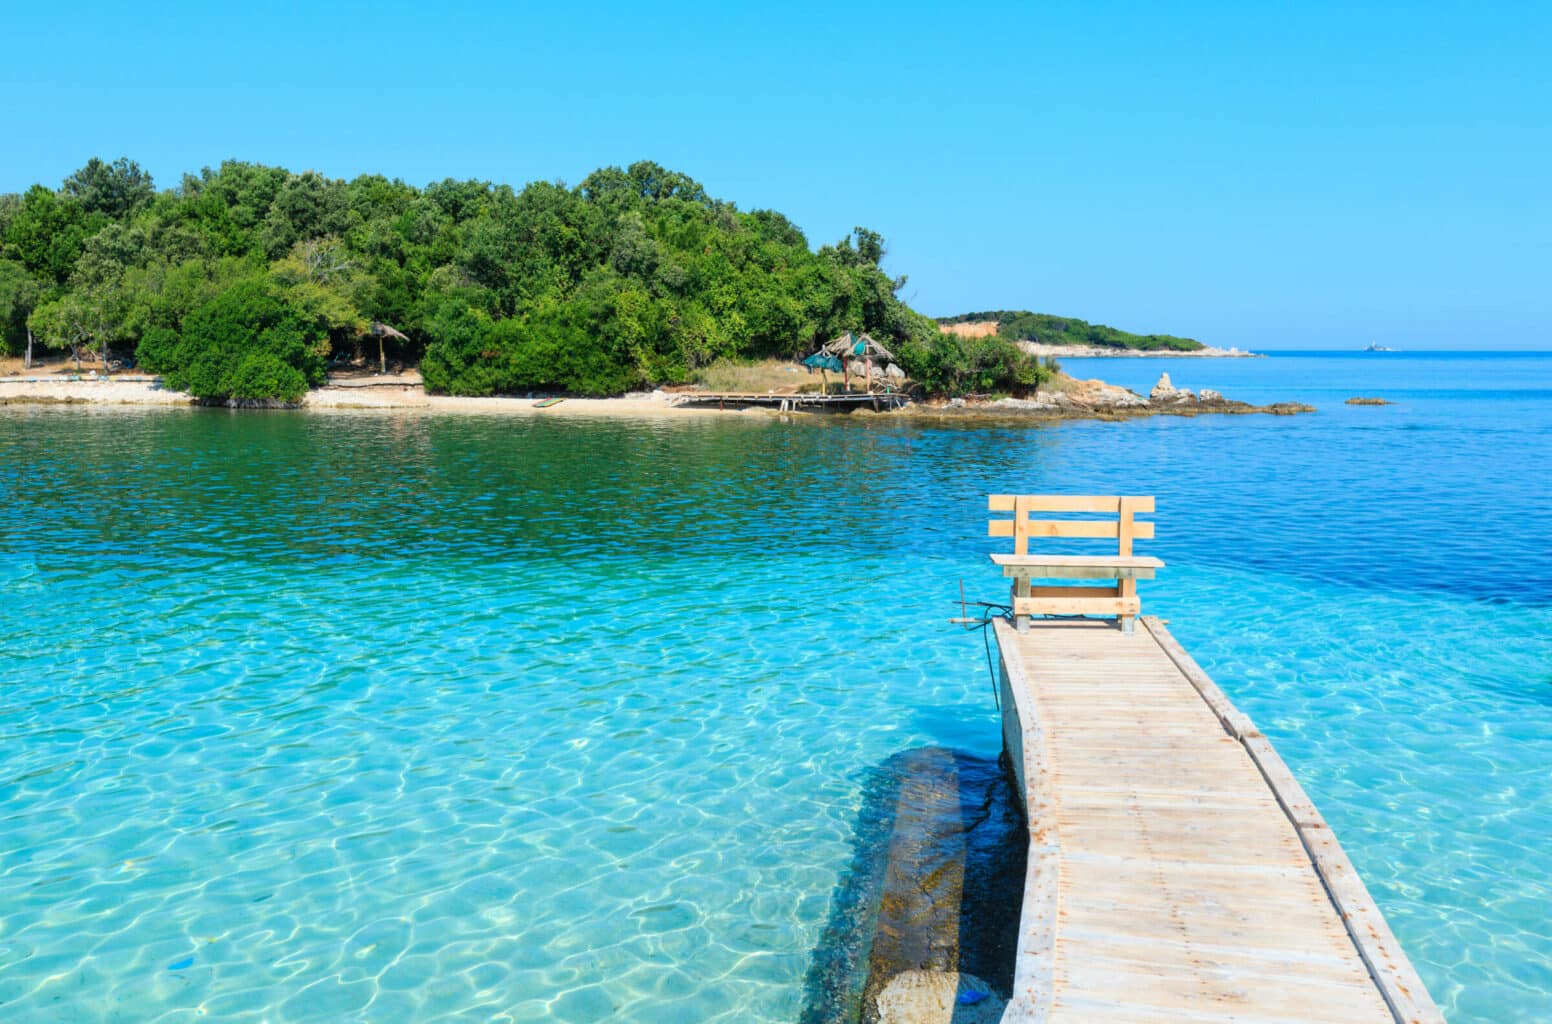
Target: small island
column 250, row 285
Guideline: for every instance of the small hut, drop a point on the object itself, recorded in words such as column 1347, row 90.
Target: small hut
column 851, row 345
column 381, row 331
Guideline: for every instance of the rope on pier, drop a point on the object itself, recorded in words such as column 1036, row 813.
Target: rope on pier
column 984, row 625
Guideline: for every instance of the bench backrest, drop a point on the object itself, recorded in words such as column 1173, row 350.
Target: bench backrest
column 1124, row 528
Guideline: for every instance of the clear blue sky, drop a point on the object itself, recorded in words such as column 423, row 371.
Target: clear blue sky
column 1261, row 175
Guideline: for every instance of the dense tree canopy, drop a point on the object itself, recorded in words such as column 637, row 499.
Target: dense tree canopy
column 242, row 281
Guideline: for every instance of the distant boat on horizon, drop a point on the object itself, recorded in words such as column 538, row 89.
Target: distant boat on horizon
column 1376, row 347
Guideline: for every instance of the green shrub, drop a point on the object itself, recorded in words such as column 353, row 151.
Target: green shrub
column 246, row 343
column 948, row 364
column 263, row 376
column 542, row 352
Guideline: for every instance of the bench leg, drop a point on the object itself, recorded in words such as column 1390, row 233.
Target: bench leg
column 1020, row 589
column 1128, row 624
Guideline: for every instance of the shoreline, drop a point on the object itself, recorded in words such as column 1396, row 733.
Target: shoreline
column 1036, row 348
column 1072, row 400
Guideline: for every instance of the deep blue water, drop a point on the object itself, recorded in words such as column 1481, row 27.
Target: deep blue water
column 358, row 717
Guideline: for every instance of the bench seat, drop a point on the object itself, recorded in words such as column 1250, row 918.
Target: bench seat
column 1093, row 567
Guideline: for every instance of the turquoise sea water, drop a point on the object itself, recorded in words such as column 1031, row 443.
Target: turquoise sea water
column 409, row 718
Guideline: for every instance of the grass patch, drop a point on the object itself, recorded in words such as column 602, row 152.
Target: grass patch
column 759, row 376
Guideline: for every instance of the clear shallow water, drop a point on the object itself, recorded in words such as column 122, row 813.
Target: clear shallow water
column 340, row 717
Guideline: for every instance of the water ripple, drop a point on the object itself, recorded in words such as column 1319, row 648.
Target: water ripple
column 321, row 718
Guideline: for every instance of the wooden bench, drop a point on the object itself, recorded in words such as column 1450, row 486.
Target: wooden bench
column 1123, row 568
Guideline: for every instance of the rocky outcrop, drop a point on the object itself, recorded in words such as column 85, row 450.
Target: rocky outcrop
column 1070, row 399
column 1369, row 401
column 1165, row 391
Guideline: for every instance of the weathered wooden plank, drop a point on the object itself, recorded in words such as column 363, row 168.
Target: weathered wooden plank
column 1033, row 970
column 1075, row 606
column 1194, row 880
column 1077, row 572
column 1069, row 503
column 1062, row 591
column 1394, row 974
column 1021, row 525
column 1006, row 560
column 1092, row 528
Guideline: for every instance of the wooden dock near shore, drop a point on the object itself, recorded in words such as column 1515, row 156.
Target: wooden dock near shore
column 877, row 401
column 1177, row 872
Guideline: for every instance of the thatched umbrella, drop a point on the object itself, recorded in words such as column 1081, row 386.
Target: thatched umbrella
column 381, row 331
column 823, row 361
column 863, row 345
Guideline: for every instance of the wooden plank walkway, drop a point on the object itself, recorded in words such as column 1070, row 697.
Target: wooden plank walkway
column 878, row 401
column 1177, row 872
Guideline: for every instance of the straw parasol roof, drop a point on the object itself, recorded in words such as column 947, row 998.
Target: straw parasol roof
column 380, row 332
column 864, row 345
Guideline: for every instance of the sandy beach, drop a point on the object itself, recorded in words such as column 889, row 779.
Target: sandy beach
column 370, row 393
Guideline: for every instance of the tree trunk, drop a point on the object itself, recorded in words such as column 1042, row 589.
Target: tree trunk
column 382, row 359
column 27, row 361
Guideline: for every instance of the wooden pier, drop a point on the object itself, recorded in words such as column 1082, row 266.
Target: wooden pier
column 877, row 401
column 1177, row 872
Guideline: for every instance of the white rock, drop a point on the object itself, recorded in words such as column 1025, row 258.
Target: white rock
column 1118, row 397
column 1164, row 391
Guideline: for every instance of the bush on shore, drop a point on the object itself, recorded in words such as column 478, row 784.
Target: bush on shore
column 247, row 343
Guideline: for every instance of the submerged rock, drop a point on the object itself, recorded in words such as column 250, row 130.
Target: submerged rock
column 938, row 997
column 932, row 899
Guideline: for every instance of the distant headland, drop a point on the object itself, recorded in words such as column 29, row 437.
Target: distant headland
column 1042, row 334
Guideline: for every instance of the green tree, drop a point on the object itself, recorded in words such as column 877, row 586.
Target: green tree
column 46, row 233
column 20, row 294
column 74, row 322
column 116, row 189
